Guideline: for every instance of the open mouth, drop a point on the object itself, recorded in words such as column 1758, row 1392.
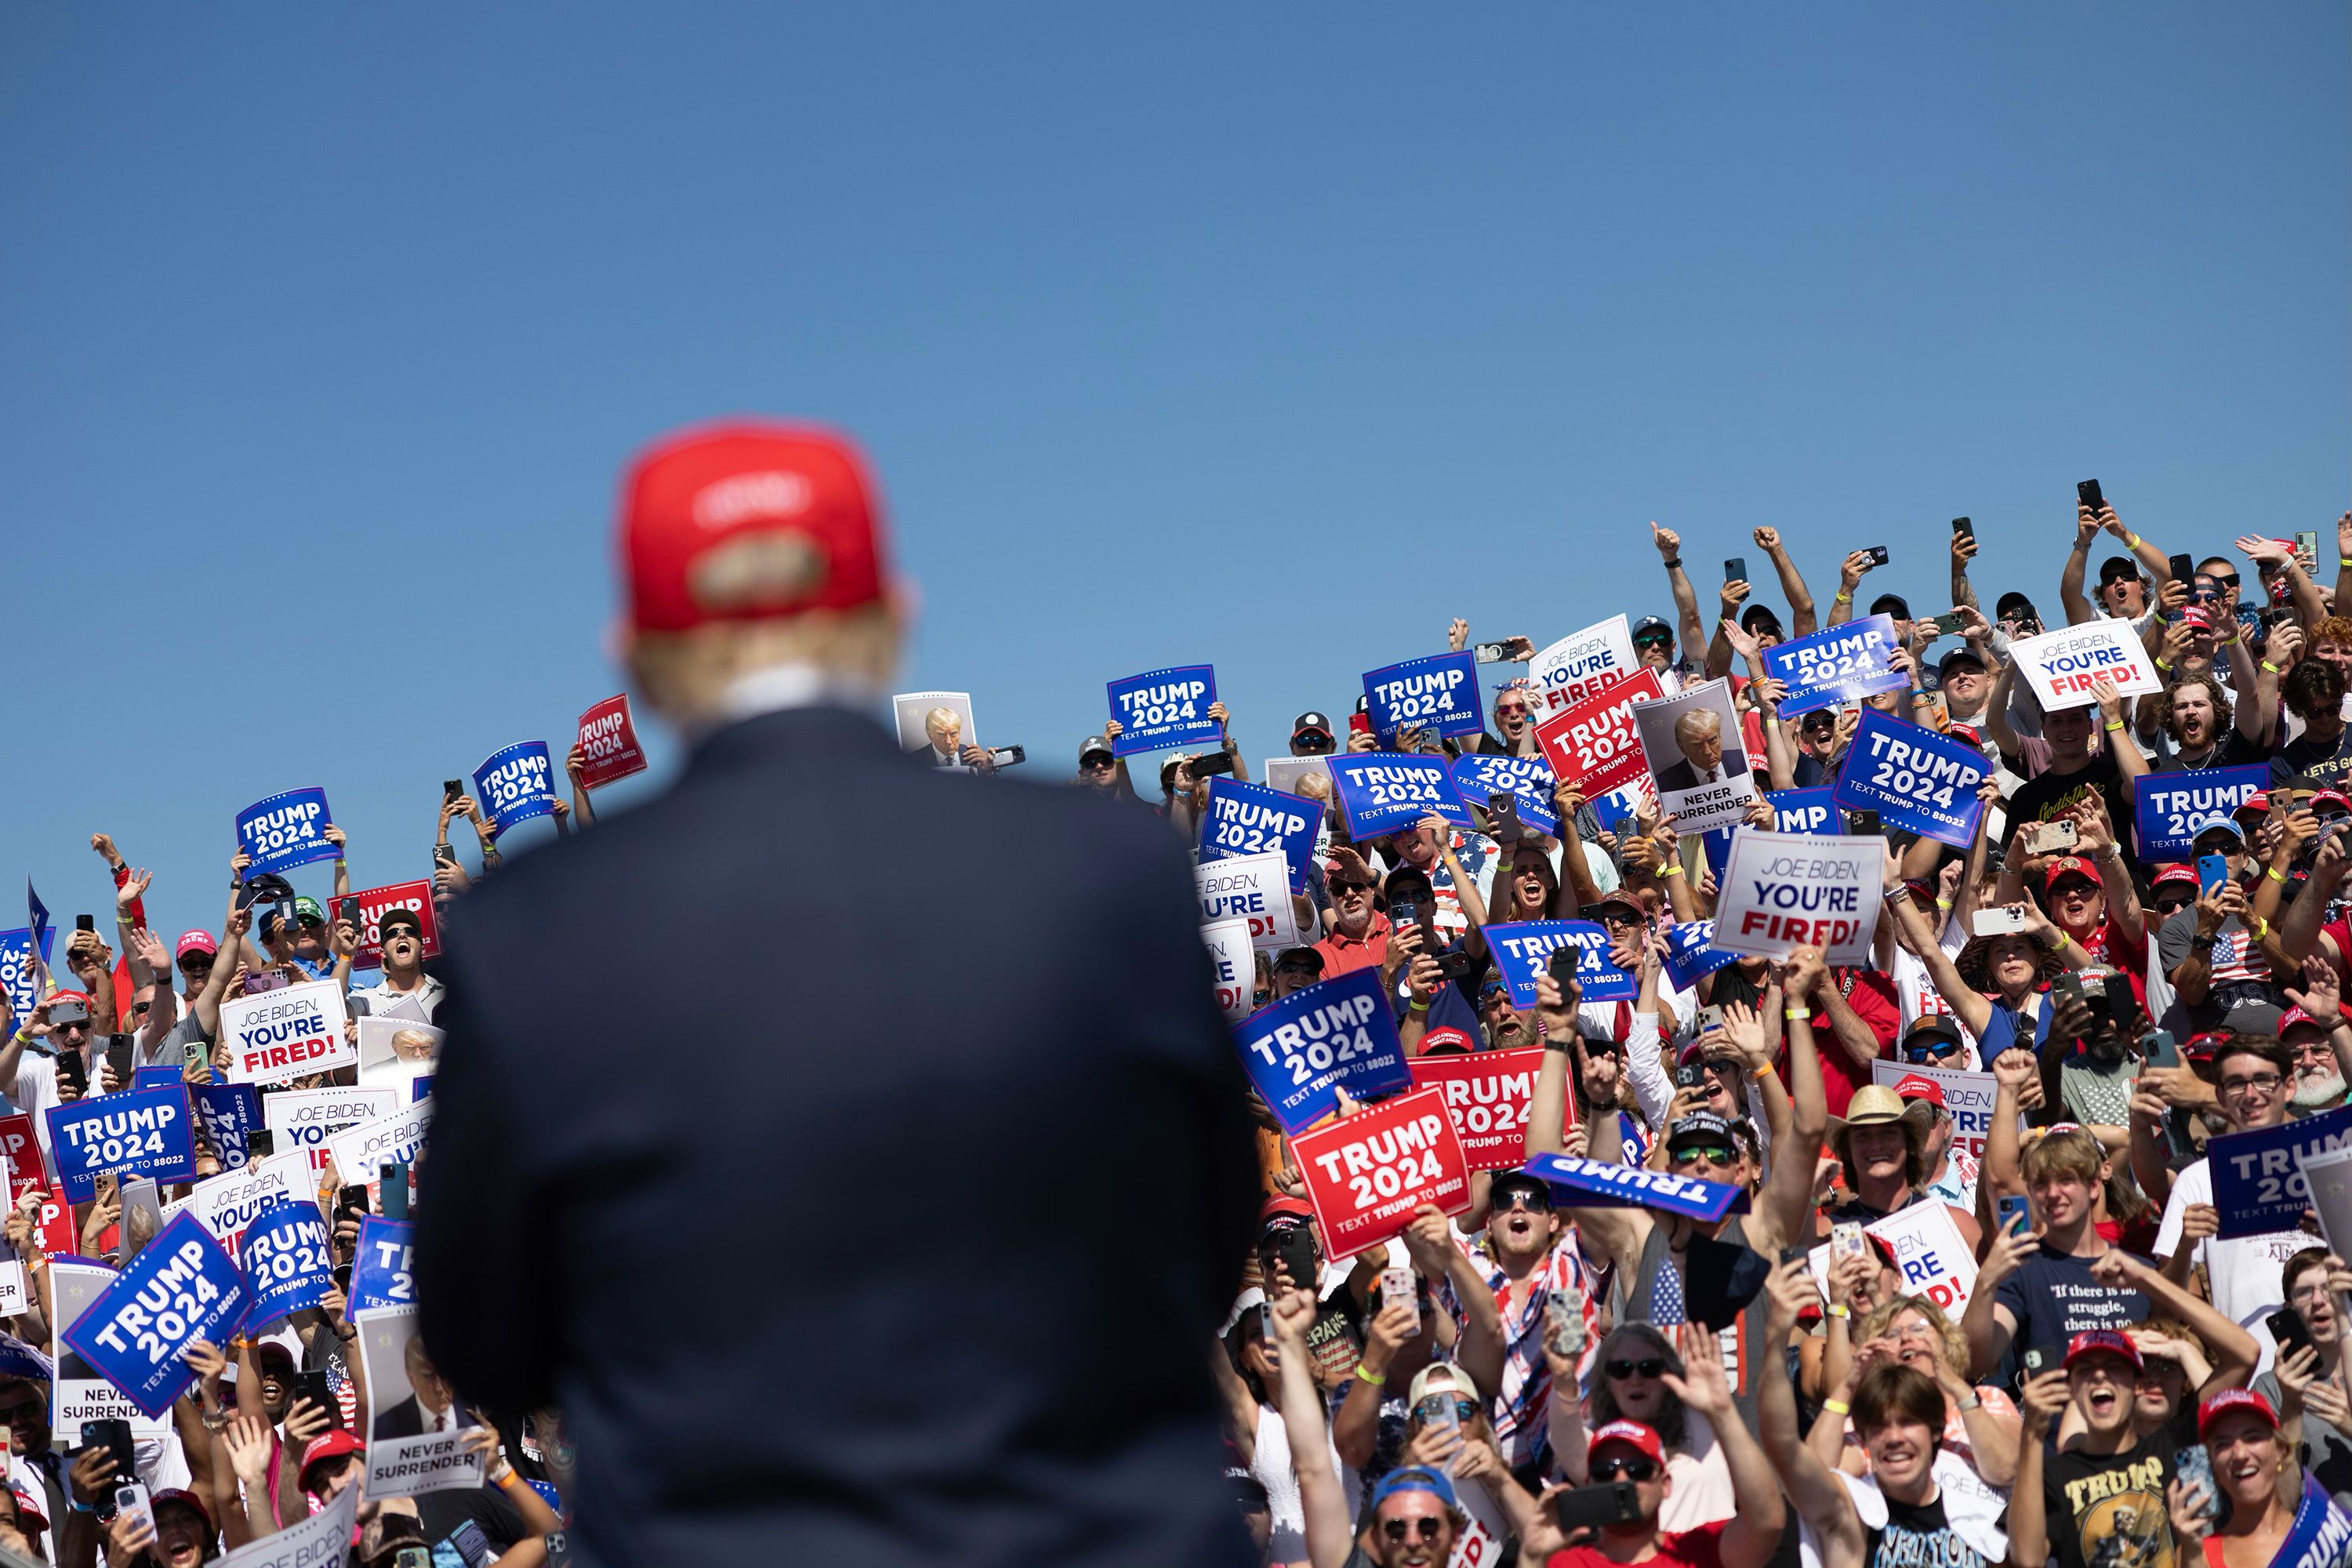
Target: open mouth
column 2101, row 1403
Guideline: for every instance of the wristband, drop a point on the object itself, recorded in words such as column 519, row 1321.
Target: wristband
column 1971, row 1403
column 1837, row 1407
column 1793, row 1013
column 1918, row 692
column 2115, row 723
column 2132, row 540
column 122, row 917
column 2262, row 928
column 1673, row 868
column 1418, row 1004
column 2273, row 668
column 1676, row 564
column 2162, row 667
column 1943, row 903
column 1842, row 597
column 1374, row 1378
column 2275, row 875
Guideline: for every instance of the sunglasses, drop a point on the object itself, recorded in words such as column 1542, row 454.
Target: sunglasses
column 23, row 1410
column 1511, row 713
column 1430, row 1408
column 1632, row 1466
column 1339, row 886
column 2229, row 582
column 1717, row 1154
column 1929, row 1053
column 1520, row 1198
column 1648, row 1366
column 1098, row 761
column 1425, row 1527
column 139, row 1009
column 1654, row 639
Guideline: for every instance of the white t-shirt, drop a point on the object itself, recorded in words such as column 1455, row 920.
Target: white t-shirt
column 418, row 1003
column 2245, row 1271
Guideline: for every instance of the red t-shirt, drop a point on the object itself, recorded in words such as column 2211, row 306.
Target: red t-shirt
column 2106, row 944
column 1871, row 995
column 1700, row 1548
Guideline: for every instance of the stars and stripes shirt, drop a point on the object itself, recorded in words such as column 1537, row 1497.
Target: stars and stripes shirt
column 1520, row 1409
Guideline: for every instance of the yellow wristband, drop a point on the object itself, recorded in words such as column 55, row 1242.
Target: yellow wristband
column 2132, row 540
column 2276, row 874
column 2115, row 723
column 1673, row 868
column 1795, row 1012
column 2269, row 667
column 2262, row 928
column 1842, row 597
column 1837, row 1407
column 2162, row 667
column 1374, row 1378
column 1943, row 903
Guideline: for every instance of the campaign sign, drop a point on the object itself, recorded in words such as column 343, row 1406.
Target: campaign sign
column 1934, row 1262
column 228, row 1112
column 291, row 1032
column 1913, row 778
column 1529, row 781
column 320, row 1540
column 1233, row 967
column 1804, row 811
column 285, row 831
column 288, row 1263
column 2168, row 807
column 2064, row 666
column 1523, row 950
column 24, row 1156
column 36, row 915
column 1597, row 1183
column 1968, row 1099
column 366, row 910
column 1488, row 1094
column 1837, row 664
column 2259, row 1183
column 515, row 785
column 1594, row 744
column 79, row 1393
column 1368, row 1176
column 161, row 1076
column 137, row 1133
column 427, row 1462
column 19, row 974
column 305, row 1118
column 1782, row 892
column 1299, row 1050
column 1439, row 692
column 1691, row 952
column 380, row 1275
column 1164, row 708
column 1583, row 664
column 608, row 744
column 360, row 1152
column 1249, row 819
column 181, row 1288
column 226, row 1204
column 1380, row 792
column 1253, row 887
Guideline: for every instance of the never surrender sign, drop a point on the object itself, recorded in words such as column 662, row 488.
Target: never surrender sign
column 288, row 1032
column 1380, row 792
column 1594, row 744
column 1299, row 1050
column 1583, row 664
column 1842, row 664
column 2259, row 1183
column 2168, row 807
column 515, row 785
column 1782, row 892
column 1488, row 1094
column 1913, row 778
column 608, row 744
column 2064, row 668
column 1164, row 708
column 285, row 831
column 181, row 1288
column 1367, row 1177
column 1529, row 781
column 1251, row 819
column 1440, row 693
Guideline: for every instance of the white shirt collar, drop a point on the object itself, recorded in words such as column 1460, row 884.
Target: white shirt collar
column 780, row 686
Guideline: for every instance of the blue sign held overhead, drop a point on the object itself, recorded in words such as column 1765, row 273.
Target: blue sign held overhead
column 134, row 1133
column 1598, row 977
column 1689, row 956
column 285, row 831
column 1915, row 779
column 380, row 1266
column 1529, row 781
column 1380, row 792
column 1593, row 1183
column 1837, row 664
column 515, row 783
column 1161, row 709
column 1301, row 1050
column 1249, row 819
column 36, row 915
column 2168, row 807
column 288, row 1263
column 181, row 1288
column 19, row 974
column 1523, row 950
column 1439, row 693
column 1804, row 811
column 2258, row 1181
column 227, row 1112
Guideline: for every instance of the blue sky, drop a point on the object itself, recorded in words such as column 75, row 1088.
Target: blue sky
column 1268, row 336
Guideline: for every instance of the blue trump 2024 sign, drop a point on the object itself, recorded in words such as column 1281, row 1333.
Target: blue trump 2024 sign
column 380, row 1275
column 285, row 831
column 1803, row 811
column 1689, row 955
column 1249, row 819
column 1523, row 950
column 228, row 1112
column 1594, row 1183
column 1439, row 693
column 1913, row 778
column 2168, row 807
column 1529, row 782
column 135, row 1133
column 1842, row 664
column 181, row 1288
column 1301, row 1049
column 1164, row 708
column 288, row 1263
column 515, row 785
column 2258, row 1181
column 19, row 974
column 1380, row 792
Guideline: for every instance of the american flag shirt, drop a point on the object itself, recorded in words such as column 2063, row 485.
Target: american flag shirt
column 1520, row 1410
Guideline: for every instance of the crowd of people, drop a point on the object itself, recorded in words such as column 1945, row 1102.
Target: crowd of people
column 2108, row 1373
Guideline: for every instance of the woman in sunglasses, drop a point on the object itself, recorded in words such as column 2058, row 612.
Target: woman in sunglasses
column 1631, row 1384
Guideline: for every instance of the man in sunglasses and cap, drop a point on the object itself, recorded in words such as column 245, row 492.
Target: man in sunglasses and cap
column 403, row 989
column 1099, row 768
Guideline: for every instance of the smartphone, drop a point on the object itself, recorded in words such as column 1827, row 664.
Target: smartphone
column 1296, row 1255
column 1997, row 923
column 2183, row 571
column 452, row 788
column 114, row 1436
column 2212, row 874
column 312, row 1387
column 1845, row 1240
column 342, row 1275
column 412, row 1557
column 266, row 980
column 352, row 1200
column 1563, row 967
column 2069, row 984
column 1627, row 828
column 1492, row 652
column 118, row 1056
column 2287, row 1331
column 1564, row 1322
column 2120, row 1002
column 1404, row 912
column 2016, row 1214
column 74, row 1070
column 2307, row 542
column 1963, row 528
column 1708, row 1018
column 2087, row 493
column 1878, row 556
column 84, row 922
column 1949, row 625
column 1736, row 570
column 2194, row 1467
column 471, row 1543
column 2158, row 1049
column 1503, row 823
column 2050, row 837
column 393, row 1190
column 1690, row 1074
column 1358, row 724
column 1862, row 824
column 2036, row 1362
column 1588, row 1508
column 260, row 1144
column 1203, row 766
column 1396, row 1289
column 1013, row 756
column 131, row 1500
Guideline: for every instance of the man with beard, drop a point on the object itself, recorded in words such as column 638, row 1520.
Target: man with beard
column 2313, row 692
column 1358, row 937
column 2318, row 1074
column 2195, row 726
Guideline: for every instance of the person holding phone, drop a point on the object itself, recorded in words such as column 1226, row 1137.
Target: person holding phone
column 2277, row 1512
column 2212, row 951
column 2253, row 1076
column 2316, row 1283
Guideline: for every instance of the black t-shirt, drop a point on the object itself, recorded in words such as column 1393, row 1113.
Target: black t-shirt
column 2329, row 761
column 1916, row 1536
column 2107, row 1509
column 2048, row 794
column 2053, row 1298
column 439, row 1513
column 2234, row 751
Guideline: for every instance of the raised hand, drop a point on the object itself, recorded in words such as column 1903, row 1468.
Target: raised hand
column 1669, row 543
column 1702, row 1386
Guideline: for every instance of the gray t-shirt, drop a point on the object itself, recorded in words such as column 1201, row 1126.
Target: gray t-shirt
column 2239, row 991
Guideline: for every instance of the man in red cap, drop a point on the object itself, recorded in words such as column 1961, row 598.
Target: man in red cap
column 1039, row 1409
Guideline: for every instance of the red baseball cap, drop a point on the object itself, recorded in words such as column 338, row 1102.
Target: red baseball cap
column 1911, row 1086
column 30, row 1508
column 2258, row 803
column 185, row 1499
column 2293, row 1015
column 331, row 1443
column 2074, row 865
column 2173, row 873
column 194, row 942
column 1279, row 1207
column 2228, row 1399
column 747, row 521
column 1631, row 1432
column 2103, row 1342
column 1446, row 1043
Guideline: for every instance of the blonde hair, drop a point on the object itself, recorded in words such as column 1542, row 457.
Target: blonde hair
column 686, row 675
column 1950, row 1343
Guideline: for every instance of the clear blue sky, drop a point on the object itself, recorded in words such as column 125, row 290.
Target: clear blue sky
column 1268, row 336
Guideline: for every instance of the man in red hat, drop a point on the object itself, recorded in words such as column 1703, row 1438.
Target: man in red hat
column 1039, row 1408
